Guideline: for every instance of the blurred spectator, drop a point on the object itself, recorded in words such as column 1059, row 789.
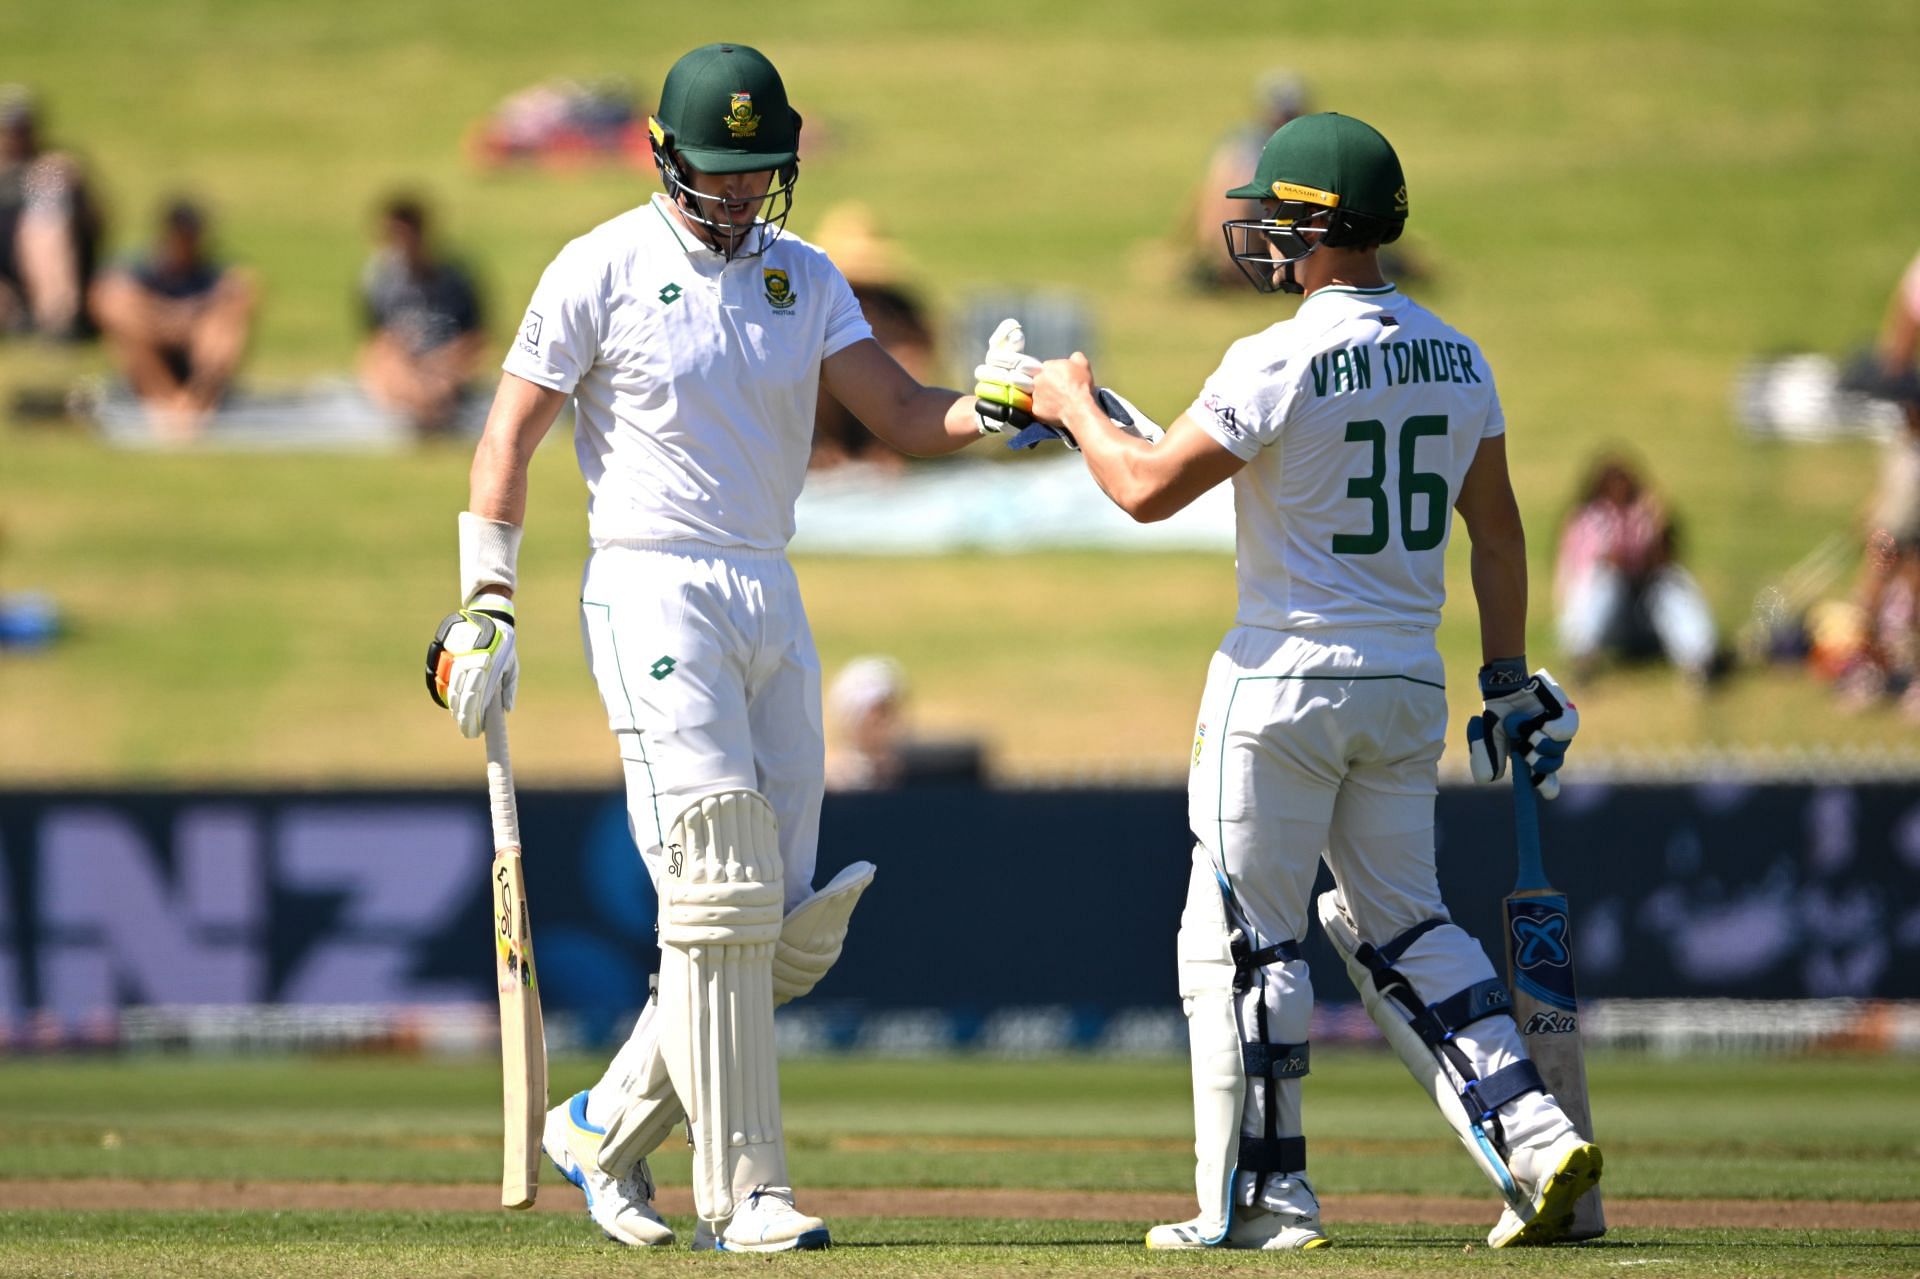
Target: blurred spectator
column 873, row 267
column 1279, row 96
column 1887, row 597
column 870, row 746
column 1900, row 343
column 564, row 124
column 867, row 704
column 178, row 321
column 49, row 228
column 1618, row 587
column 423, row 314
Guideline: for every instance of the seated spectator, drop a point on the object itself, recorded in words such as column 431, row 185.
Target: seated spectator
column 1887, row 595
column 871, row 746
column 1279, row 96
column 423, row 314
column 872, row 265
column 178, row 322
column 866, row 704
column 1618, row 587
column 49, row 228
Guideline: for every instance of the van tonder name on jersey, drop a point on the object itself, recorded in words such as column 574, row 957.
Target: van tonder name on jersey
column 1350, row 368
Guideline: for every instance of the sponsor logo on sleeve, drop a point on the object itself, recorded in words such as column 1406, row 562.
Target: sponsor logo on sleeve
column 1224, row 414
column 530, row 332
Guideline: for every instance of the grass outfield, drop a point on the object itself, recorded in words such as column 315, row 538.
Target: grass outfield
column 366, row 1246
column 1816, row 1128
column 1622, row 202
column 1830, row 1133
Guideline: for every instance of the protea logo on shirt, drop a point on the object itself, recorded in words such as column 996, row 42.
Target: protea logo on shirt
column 779, row 292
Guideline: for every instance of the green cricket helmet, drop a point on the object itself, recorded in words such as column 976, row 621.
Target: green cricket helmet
column 1328, row 179
column 723, row 109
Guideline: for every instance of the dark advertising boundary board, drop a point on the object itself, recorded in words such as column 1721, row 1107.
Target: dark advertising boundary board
column 986, row 899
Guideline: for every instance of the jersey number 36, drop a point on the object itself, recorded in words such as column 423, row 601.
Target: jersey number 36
column 1413, row 483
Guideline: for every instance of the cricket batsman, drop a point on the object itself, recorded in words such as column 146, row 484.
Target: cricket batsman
column 691, row 334
column 1351, row 433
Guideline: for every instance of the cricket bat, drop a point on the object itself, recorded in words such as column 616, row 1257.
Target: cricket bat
column 1540, row 972
column 523, row 1040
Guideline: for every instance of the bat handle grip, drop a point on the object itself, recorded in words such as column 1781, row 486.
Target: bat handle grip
column 1526, row 827
column 505, row 811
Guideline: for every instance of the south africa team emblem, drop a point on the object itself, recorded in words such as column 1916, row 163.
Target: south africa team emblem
column 779, row 292
column 741, row 121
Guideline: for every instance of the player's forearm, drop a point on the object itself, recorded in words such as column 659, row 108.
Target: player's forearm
column 1118, row 463
column 1500, row 589
column 929, row 421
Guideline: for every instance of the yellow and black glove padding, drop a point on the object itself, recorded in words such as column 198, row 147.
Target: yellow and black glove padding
column 1003, row 382
column 471, row 661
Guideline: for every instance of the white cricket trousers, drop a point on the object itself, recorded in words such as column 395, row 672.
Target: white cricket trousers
column 707, row 668
column 1327, row 744
column 1322, row 743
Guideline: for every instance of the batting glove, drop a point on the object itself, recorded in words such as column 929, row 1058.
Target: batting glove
column 1530, row 714
column 472, row 660
column 1003, row 383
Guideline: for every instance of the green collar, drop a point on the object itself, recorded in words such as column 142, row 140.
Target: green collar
column 1374, row 292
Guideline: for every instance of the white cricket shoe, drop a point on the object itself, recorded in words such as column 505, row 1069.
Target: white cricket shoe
column 621, row 1207
column 766, row 1222
column 1554, row 1176
column 1287, row 1220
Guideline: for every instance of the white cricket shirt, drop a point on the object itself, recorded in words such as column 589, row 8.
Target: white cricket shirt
column 693, row 378
column 1357, row 419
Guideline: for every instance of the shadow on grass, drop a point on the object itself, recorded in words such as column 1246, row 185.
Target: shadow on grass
column 1423, row 1244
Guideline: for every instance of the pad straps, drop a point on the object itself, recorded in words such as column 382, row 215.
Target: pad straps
column 1438, row 1023
column 1268, row 1063
column 1269, row 1155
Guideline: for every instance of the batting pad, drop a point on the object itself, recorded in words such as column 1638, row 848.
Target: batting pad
column 649, row 1107
column 1445, row 947
column 720, row 915
column 1205, row 956
column 814, row 933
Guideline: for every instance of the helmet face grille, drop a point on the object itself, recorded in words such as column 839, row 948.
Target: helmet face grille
column 1268, row 249
column 709, row 215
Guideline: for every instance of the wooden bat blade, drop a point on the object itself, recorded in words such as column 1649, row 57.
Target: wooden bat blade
column 523, row 1042
column 1540, row 972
